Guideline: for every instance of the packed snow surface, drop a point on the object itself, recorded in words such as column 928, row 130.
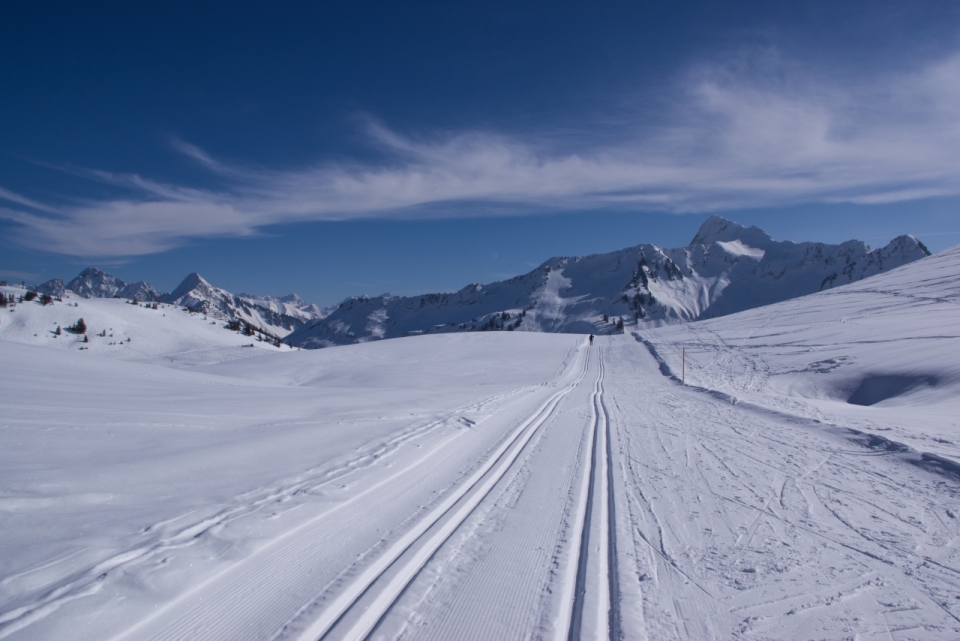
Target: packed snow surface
column 782, row 473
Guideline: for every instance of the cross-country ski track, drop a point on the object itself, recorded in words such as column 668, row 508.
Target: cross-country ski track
column 355, row 603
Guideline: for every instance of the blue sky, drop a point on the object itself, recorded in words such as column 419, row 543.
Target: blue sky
column 408, row 147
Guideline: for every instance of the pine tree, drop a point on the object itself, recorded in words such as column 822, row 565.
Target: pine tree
column 605, row 319
column 80, row 327
column 58, row 332
column 46, row 299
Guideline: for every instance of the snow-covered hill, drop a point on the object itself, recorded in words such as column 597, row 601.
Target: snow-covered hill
column 115, row 328
column 270, row 314
column 727, row 268
column 878, row 355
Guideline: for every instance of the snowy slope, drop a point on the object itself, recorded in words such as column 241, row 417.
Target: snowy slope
column 499, row 485
column 878, row 355
column 727, row 268
column 129, row 331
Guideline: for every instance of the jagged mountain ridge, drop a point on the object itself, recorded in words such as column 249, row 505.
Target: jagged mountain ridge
column 94, row 283
column 274, row 315
column 727, row 268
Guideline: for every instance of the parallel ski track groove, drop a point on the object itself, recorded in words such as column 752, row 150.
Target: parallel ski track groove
column 91, row 579
column 613, row 576
column 499, row 463
column 600, row 422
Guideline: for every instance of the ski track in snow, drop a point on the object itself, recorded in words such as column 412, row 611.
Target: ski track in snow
column 173, row 534
column 434, row 530
column 688, row 517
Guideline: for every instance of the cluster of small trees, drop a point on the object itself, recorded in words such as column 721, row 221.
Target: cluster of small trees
column 247, row 329
column 134, row 301
column 618, row 322
column 501, row 321
column 45, row 299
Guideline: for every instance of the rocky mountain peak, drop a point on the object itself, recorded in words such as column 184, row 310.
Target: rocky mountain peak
column 718, row 229
column 191, row 282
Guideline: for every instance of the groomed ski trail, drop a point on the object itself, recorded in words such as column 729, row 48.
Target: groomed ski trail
column 537, row 557
column 432, row 531
column 596, row 605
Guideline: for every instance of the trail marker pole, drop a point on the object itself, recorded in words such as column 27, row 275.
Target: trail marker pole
column 683, row 366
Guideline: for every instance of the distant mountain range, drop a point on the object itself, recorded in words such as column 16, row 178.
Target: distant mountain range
column 725, row 269
column 277, row 316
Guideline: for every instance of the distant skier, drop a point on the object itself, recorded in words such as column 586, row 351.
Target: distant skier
column 591, row 339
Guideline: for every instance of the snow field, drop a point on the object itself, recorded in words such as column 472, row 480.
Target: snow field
column 499, row 485
column 743, row 523
column 888, row 343
column 238, row 465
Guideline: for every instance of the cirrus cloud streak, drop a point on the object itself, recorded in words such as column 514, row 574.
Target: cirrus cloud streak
column 735, row 139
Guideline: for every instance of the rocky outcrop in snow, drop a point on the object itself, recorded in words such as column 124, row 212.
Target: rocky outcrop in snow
column 727, row 268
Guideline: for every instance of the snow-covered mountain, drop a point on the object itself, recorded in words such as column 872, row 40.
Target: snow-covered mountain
column 270, row 314
column 726, row 268
column 95, row 283
column 275, row 315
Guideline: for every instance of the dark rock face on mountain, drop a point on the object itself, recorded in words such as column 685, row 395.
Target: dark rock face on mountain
column 727, row 268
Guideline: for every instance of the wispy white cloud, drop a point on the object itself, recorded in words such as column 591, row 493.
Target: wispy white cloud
column 737, row 138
